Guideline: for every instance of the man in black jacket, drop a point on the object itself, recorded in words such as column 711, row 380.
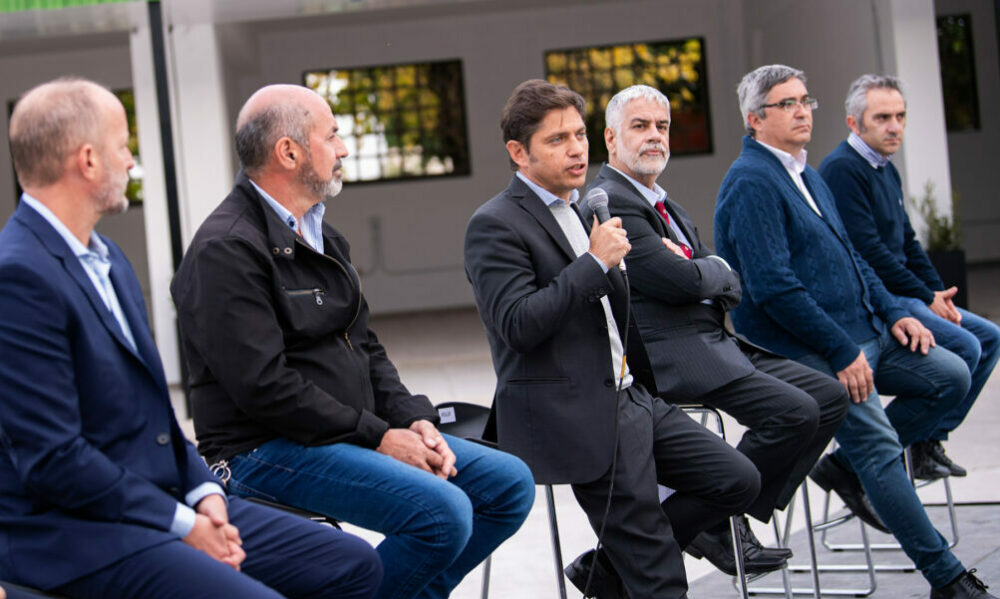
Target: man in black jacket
column 680, row 294
column 293, row 395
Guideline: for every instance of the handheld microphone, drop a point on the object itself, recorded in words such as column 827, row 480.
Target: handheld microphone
column 597, row 200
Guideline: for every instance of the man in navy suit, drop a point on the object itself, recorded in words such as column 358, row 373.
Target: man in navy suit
column 100, row 493
column 554, row 304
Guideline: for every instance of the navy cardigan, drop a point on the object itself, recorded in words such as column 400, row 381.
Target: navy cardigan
column 870, row 202
column 805, row 289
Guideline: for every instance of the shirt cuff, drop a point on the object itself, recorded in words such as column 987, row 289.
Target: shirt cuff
column 183, row 521
column 603, row 266
column 202, row 491
column 721, row 259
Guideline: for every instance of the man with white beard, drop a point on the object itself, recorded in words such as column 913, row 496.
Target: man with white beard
column 680, row 294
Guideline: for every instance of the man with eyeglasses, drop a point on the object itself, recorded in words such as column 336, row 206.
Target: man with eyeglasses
column 869, row 197
column 809, row 295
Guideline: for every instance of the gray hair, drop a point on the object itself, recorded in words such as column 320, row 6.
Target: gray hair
column 755, row 86
column 49, row 123
column 615, row 111
column 258, row 133
column 857, row 95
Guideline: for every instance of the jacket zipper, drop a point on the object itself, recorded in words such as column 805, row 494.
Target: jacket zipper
column 357, row 310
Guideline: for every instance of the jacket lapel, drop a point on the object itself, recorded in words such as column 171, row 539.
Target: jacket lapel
column 56, row 245
column 534, row 205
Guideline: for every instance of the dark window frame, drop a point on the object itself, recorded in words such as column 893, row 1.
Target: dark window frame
column 460, row 125
column 597, row 101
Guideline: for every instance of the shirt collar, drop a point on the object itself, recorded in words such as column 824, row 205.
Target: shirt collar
column 547, row 196
column 96, row 246
column 314, row 213
column 792, row 163
column 872, row 157
column 657, row 194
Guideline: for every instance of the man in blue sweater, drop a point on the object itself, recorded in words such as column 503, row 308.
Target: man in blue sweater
column 807, row 294
column 869, row 196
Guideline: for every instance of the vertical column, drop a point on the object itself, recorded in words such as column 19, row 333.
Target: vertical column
column 908, row 32
column 203, row 128
column 156, row 221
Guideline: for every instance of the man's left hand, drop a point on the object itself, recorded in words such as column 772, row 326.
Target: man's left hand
column 434, row 440
column 214, row 507
column 909, row 331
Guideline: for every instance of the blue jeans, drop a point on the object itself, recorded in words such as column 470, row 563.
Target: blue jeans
column 435, row 531
column 872, row 439
column 975, row 340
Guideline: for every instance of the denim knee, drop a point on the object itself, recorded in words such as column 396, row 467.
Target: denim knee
column 519, row 497
column 444, row 528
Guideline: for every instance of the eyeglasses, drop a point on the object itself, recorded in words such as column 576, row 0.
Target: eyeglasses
column 790, row 104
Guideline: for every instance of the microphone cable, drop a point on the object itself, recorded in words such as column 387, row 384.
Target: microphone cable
column 614, row 457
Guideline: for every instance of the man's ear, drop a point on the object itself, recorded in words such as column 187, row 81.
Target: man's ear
column 87, row 161
column 609, row 141
column 287, row 153
column 852, row 124
column 518, row 153
column 754, row 120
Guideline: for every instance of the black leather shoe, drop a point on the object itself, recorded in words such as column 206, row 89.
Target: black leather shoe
column 604, row 584
column 717, row 547
column 831, row 476
column 966, row 586
column 937, row 452
column 923, row 464
column 751, row 543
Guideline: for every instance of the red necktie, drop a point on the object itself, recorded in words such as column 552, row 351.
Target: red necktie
column 666, row 216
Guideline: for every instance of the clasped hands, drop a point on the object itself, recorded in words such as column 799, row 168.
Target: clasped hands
column 213, row 534
column 420, row 445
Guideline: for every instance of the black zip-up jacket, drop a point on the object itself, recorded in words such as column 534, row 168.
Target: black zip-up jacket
column 276, row 338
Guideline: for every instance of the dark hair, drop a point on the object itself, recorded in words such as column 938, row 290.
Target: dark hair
column 256, row 137
column 527, row 106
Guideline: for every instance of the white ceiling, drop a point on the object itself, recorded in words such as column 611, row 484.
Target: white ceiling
column 119, row 17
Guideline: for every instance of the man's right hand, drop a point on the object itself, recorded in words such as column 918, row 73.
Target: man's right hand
column 857, row 378
column 944, row 307
column 408, row 447
column 608, row 241
column 219, row 541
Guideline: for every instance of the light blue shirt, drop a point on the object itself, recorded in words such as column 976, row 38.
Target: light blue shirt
column 872, row 157
column 550, row 198
column 96, row 264
column 795, row 166
column 312, row 220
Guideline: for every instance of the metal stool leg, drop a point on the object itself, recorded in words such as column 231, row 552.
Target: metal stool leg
column 487, row 566
column 815, row 568
column 556, row 547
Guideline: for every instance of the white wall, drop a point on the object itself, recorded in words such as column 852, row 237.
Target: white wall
column 418, row 264
column 101, row 57
column 974, row 172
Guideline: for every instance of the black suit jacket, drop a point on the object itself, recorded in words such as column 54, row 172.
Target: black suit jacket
column 540, row 303
column 690, row 351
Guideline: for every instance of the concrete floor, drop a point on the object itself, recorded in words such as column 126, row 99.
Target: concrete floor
column 445, row 355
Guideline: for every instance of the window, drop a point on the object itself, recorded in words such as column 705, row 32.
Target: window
column 400, row 121
column 134, row 189
column 677, row 68
column 958, row 72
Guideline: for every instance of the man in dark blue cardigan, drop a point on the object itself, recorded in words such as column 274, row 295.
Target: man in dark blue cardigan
column 810, row 296
column 869, row 197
